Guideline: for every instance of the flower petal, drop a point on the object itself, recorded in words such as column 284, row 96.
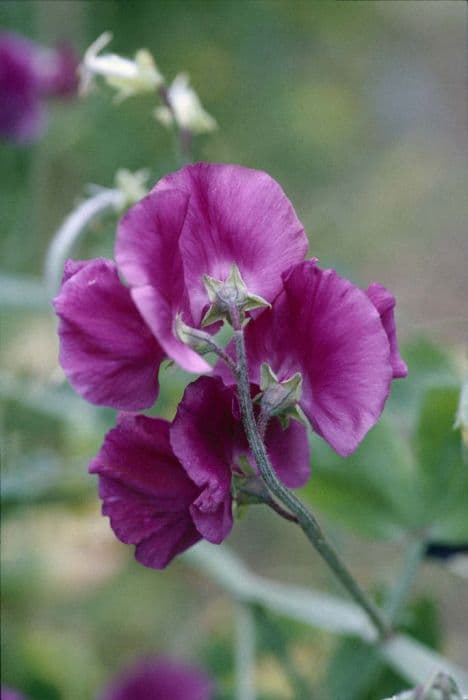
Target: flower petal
column 203, row 435
column 385, row 302
column 145, row 491
column 326, row 328
column 160, row 678
column 289, row 452
column 147, row 253
column 107, row 352
column 236, row 215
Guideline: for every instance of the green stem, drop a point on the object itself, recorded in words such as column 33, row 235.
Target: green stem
column 306, row 520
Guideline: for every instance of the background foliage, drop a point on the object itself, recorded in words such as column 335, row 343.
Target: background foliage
column 357, row 109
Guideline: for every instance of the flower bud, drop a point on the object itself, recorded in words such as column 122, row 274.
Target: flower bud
column 198, row 340
column 280, row 398
column 128, row 77
column 186, row 108
column 224, row 295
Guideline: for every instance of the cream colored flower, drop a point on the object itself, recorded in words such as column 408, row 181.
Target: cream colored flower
column 128, row 77
column 186, row 108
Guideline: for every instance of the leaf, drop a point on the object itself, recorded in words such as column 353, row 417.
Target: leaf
column 369, row 491
column 438, row 446
column 428, row 366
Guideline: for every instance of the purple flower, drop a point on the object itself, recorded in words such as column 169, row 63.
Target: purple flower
column 10, row 694
column 29, row 73
column 107, row 352
column 385, row 302
column 145, row 491
column 201, row 221
column 208, row 438
column 161, row 679
column 164, row 486
column 342, row 343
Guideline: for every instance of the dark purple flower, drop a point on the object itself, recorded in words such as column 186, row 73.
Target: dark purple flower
column 145, row 491
column 208, row 438
column 107, row 352
column 10, row 694
column 200, row 221
column 385, row 302
column 29, row 73
column 330, row 331
column 161, row 679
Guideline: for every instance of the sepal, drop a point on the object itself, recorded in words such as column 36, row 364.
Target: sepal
column 232, row 292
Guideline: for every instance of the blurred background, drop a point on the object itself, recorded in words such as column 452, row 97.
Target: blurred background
column 358, row 109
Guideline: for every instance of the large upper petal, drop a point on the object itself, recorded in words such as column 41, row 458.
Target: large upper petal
column 235, row 215
column 147, row 253
column 107, row 351
column 203, row 435
column 384, row 302
column 145, row 491
column 326, row 328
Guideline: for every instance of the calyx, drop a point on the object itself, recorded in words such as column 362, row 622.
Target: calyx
column 224, row 295
column 280, row 398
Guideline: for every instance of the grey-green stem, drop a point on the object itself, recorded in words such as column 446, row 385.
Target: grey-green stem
column 305, row 518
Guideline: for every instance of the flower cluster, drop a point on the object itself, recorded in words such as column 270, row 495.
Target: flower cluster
column 28, row 74
column 207, row 240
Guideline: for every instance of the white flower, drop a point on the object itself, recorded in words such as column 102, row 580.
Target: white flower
column 186, row 108
column 132, row 185
column 128, row 77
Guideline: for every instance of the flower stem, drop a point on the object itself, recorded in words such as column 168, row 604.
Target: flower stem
column 182, row 137
column 305, row 518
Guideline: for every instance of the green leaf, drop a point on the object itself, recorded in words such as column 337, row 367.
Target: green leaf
column 369, row 491
column 438, row 446
column 428, row 366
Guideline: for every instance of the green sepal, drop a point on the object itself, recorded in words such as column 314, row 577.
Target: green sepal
column 232, row 292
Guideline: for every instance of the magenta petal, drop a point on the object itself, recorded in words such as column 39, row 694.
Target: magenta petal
column 385, row 302
column 160, row 679
column 147, row 253
column 326, row 328
column 106, row 350
column 236, row 215
column 289, row 452
column 22, row 115
column 145, row 491
column 203, row 434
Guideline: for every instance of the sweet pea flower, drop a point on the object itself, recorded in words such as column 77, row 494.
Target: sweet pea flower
column 186, row 107
column 340, row 339
column 196, row 224
column 166, row 486
column 10, row 694
column 107, row 352
column 29, row 73
column 127, row 76
column 145, row 491
column 208, row 438
column 161, row 678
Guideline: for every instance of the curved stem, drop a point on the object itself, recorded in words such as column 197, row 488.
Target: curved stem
column 306, row 520
column 72, row 228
